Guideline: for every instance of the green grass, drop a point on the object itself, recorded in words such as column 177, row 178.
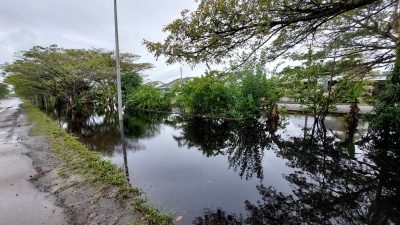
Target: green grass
column 89, row 164
column 152, row 215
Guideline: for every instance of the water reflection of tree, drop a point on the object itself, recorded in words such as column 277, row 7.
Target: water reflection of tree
column 100, row 132
column 142, row 124
column 244, row 142
column 217, row 217
column 331, row 187
column 383, row 149
column 209, row 135
column 136, row 125
column 246, row 147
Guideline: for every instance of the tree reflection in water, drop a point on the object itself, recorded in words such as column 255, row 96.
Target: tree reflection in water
column 246, row 147
column 143, row 124
column 100, row 130
column 332, row 187
column 209, row 135
column 218, row 217
column 244, row 142
column 330, row 184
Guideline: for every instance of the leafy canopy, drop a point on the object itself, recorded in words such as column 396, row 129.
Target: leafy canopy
column 65, row 74
column 219, row 29
column 149, row 97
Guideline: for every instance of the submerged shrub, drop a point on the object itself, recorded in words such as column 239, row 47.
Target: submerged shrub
column 149, row 97
column 252, row 92
column 205, row 95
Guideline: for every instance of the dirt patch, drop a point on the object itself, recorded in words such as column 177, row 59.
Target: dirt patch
column 84, row 201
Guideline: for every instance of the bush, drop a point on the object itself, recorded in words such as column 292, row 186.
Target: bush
column 149, row 97
column 252, row 91
column 205, row 95
column 3, row 90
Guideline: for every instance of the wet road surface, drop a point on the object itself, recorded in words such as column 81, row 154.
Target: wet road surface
column 20, row 201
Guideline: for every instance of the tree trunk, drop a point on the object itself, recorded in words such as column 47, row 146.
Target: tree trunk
column 273, row 117
column 353, row 113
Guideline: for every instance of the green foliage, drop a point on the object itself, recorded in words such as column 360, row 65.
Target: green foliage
column 248, row 92
column 386, row 120
column 322, row 82
column 152, row 215
column 252, row 90
column 68, row 75
column 302, row 84
column 348, row 90
column 3, row 90
column 149, row 97
column 217, row 29
column 351, row 36
column 130, row 81
column 241, row 94
column 204, row 95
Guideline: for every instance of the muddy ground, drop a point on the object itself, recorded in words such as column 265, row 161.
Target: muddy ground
column 37, row 188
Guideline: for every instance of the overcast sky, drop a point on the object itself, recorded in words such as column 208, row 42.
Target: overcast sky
column 89, row 24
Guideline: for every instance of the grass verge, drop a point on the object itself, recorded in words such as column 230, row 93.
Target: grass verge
column 89, row 164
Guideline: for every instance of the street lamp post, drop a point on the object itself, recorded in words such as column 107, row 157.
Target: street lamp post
column 119, row 92
column 118, row 69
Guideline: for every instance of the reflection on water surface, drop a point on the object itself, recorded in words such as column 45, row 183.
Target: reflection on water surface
column 249, row 172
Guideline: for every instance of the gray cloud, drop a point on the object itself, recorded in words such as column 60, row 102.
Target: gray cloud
column 89, row 24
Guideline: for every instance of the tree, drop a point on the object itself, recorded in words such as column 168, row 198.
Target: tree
column 3, row 90
column 320, row 83
column 131, row 81
column 218, row 27
column 205, row 95
column 66, row 74
column 365, row 29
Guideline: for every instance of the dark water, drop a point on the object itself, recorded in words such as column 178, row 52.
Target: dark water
column 249, row 172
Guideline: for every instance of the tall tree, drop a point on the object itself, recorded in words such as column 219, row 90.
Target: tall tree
column 66, row 74
column 219, row 27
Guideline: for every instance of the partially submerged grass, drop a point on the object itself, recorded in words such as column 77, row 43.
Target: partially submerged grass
column 151, row 215
column 76, row 155
column 90, row 164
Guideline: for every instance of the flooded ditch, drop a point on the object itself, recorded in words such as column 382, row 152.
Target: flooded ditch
column 211, row 171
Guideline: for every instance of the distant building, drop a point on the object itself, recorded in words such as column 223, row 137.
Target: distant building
column 378, row 82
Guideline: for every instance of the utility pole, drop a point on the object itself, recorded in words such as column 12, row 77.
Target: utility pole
column 119, row 92
column 118, row 69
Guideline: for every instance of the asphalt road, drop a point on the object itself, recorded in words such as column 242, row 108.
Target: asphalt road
column 342, row 108
column 20, row 201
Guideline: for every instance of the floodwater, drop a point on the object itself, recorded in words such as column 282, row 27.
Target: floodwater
column 208, row 171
